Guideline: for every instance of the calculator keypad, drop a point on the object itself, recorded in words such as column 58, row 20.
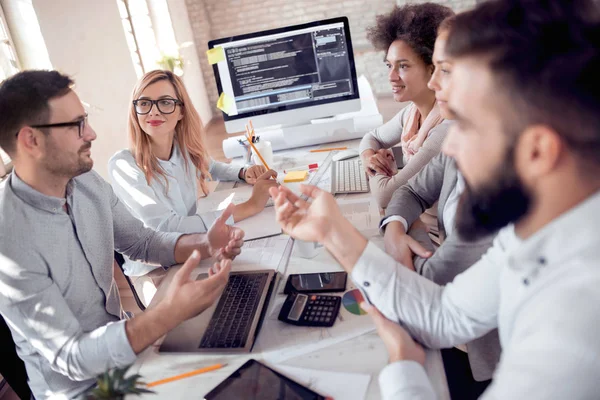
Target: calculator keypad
column 320, row 310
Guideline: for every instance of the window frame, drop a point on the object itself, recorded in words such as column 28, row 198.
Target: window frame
column 5, row 161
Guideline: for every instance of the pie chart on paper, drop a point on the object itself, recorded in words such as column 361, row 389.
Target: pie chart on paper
column 352, row 300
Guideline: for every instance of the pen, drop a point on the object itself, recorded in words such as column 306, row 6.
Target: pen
column 329, row 149
column 186, row 375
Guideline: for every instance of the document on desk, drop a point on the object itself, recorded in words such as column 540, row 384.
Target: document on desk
column 267, row 253
column 260, row 225
column 257, row 226
column 362, row 212
column 336, row 385
column 224, row 194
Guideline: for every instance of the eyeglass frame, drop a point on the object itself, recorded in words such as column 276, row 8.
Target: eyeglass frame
column 155, row 103
column 79, row 122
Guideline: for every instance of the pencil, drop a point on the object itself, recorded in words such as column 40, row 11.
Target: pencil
column 259, row 156
column 249, row 134
column 328, row 149
column 186, row 375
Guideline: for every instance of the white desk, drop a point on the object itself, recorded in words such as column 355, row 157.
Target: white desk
column 363, row 354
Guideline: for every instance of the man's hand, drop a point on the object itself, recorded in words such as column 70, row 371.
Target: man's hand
column 260, row 191
column 253, row 173
column 302, row 220
column 225, row 241
column 187, row 297
column 401, row 246
column 399, row 344
column 379, row 162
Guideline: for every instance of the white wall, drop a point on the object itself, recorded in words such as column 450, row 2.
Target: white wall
column 85, row 39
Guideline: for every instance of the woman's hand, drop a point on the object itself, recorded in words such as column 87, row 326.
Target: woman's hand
column 379, row 162
column 252, row 173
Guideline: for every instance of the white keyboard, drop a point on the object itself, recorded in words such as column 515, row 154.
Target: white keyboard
column 348, row 176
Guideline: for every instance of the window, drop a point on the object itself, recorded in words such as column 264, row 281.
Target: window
column 9, row 65
column 150, row 36
column 140, row 34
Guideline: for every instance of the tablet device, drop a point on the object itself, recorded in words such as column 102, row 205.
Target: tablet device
column 254, row 380
column 398, row 156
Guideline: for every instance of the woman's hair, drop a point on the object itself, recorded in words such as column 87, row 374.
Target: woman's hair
column 188, row 133
column 415, row 24
column 446, row 25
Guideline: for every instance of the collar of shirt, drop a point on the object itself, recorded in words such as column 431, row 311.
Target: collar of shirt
column 560, row 240
column 175, row 159
column 39, row 200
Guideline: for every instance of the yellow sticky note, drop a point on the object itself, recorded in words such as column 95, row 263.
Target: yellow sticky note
column 225, row 103
column 215, row 55
column 295, row 176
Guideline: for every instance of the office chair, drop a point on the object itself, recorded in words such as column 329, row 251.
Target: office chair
column 12, row 368
column 120, row 261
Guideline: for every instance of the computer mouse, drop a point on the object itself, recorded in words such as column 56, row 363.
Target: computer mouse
column 345, row 154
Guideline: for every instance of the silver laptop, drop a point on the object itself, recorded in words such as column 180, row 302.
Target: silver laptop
column 232, row 323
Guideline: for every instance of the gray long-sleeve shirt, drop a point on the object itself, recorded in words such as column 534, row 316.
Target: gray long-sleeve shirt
column 57, row 291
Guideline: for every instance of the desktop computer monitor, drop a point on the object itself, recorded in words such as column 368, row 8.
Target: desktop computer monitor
column 287, row 76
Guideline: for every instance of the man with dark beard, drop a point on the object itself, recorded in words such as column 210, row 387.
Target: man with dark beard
column 525, row 95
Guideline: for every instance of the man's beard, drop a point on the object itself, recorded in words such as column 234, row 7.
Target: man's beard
column 66, row 166
column 502, row 200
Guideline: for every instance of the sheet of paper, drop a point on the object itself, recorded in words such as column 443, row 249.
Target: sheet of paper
column 221, row 198
column 267, row 253
column 362, row 212
column 260, row 225
column 337, row 385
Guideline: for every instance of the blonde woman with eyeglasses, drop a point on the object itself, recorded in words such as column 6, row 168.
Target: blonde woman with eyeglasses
column 167, row 166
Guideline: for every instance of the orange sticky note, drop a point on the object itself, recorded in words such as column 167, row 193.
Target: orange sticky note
column 295, row 176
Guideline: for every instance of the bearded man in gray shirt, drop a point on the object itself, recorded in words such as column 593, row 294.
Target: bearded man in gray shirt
column 59, row 224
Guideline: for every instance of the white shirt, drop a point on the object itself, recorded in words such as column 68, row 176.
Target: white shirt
column 166, row 208
column 543, row 294
column 452, row 204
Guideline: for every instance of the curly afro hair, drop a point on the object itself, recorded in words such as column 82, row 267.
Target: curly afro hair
column 415, row 24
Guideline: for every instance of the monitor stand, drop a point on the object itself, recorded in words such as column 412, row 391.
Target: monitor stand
column 319, row 131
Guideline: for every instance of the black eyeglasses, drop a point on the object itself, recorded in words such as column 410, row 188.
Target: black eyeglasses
column 165, row 106
column 80, row 123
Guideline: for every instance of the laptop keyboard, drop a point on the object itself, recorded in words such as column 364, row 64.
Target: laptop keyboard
column 230, row 324
column 349, row 177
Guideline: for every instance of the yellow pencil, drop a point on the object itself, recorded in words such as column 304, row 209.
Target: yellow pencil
column 186, row 375
column 250, row 133
column 251, row 126
column 258, row 153
column 329, row 149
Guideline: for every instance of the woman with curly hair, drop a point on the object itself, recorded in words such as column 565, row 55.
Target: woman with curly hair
column 407, row 34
